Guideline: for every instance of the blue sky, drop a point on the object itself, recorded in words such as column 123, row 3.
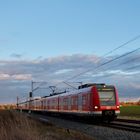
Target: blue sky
column 47, row 28
column 52, row 40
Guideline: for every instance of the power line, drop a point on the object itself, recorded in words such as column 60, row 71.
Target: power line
column 112, row 74
column 126, row 69
column 124, row 63
column 105, row 63
column 121, row 46
column 124, row 44
column 130, row 68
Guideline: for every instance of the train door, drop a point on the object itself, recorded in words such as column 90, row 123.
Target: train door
column 74, row 103
column 80, row 102
column 69, row 102
column 41, row 107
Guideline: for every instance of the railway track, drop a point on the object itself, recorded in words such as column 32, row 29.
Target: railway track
column 121, row 124
column 98, row 131
column 124, row 125
column 129, row 121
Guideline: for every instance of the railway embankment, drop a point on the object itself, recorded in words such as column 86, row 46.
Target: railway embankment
column 21, row 126
column 17, row 126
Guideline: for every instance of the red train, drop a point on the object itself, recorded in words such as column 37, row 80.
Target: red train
column 88, row 100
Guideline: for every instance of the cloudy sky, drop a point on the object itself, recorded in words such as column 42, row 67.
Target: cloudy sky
column 74, row 41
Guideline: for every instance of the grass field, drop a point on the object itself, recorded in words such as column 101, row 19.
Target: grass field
column 17, row 126
column 130, row 111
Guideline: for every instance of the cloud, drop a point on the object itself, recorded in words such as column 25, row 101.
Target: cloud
column 63, row 71
column 15, row 55
column 22, row 77
column 78, row 67
column 15, row 77
column 135, row 85
column 4, row 76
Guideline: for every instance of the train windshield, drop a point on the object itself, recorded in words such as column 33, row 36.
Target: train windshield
column 107, row 96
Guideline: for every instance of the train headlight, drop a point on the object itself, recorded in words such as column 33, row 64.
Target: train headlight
column 96, row 107
column 118, row 106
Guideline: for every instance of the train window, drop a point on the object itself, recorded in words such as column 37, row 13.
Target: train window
column 74, row 100
column 60, row 103
column 84, row 100
column 53, row 102
column 48, row 103
column 107, row 98
column 69, row 101
column 65, row 101
column 44, row 103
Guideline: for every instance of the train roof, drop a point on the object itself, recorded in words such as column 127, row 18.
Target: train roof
column 71, row 92
column 83, row 88
column 91, row 84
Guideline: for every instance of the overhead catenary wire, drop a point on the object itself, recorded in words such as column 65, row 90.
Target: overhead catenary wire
column 112, row 74
column 105, row 63
column 122, row 45
column 124, row 63
column 134, row 67
column 109, row 61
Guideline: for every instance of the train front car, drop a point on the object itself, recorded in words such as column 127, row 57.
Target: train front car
column 105, row 101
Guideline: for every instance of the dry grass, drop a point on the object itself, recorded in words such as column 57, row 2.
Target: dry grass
column 16, row 126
